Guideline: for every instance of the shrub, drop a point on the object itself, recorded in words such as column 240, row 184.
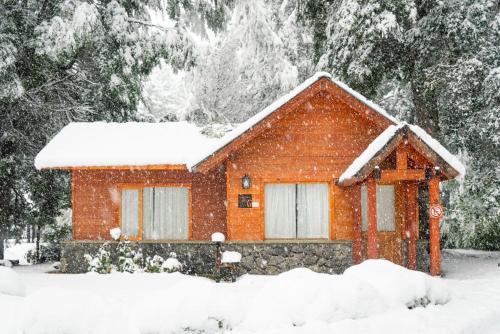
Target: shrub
column 101, row 263
column 129, row 259
column 171, row 264
column 154, row 264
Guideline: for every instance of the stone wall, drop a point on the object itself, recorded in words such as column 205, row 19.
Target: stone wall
column 198, row 258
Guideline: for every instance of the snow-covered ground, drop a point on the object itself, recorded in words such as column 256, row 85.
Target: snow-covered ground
column 18, row 251
column 370, row 298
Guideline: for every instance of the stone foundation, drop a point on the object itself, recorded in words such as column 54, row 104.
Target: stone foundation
column 198, row 258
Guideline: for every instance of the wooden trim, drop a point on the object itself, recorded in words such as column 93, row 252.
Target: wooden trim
column 229, row 208
column 411, row 214
column 372, row 244
column 401, row 158
column 395, row 175
column 368, row 168
column 332, row 230
column 417, row 144
column 357, row 234
column 428, row 153
column 73, row 205
column 434, row 242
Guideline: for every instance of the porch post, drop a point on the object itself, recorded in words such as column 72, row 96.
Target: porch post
column 411, row 214
column 372, row 246
column 435, row 251
column 356, row 240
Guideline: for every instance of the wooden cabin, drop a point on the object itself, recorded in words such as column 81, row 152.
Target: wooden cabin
column 321, row 164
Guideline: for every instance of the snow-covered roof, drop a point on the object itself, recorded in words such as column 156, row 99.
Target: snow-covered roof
column 123, row 144
column 102, row 144
column 383, row 139
column 254, row 120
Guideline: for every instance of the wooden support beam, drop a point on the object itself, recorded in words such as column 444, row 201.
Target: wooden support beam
column 411, row 214
column 435, row 251
column 356, row 240
column 372, row 246
column 402, row 158
column 394, row 175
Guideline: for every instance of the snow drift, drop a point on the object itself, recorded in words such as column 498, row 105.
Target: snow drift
column 296, row 298
column 10, row 282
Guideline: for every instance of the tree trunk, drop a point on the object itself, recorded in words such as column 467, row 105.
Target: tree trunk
column 37, row 250
column 426, row 112
column 33, row 230
column 2, row 245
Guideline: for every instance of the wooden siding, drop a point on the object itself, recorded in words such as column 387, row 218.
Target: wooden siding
column 315, row 142
column 96, row 199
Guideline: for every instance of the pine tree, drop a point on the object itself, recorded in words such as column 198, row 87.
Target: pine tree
column 63, row 61
column 441, row 58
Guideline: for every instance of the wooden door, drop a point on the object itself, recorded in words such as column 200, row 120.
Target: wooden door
column 390, row 241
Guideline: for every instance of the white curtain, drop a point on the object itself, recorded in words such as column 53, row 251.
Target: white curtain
column 312, row 210
column 130, row 212
column 166, row 213
column 148, row 206
column 385, row 208
column 364, row 208
column 280, row 218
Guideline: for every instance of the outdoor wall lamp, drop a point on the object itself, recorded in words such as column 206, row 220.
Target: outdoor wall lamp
column 246, row 182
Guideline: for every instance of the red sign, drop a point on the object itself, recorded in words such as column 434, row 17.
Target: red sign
column 436, row 211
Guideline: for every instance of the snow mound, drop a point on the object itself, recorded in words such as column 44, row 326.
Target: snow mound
column 171, row 264
column 231, row 257
column 301, row 296
column 61, row 311
column 18, row 251
column 398, row 285
column 218, row 237
column 11, row 283
column 115, row 233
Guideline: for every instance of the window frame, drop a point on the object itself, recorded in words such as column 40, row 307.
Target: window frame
column 140, row 187
column 364, row 213
column 331, row 194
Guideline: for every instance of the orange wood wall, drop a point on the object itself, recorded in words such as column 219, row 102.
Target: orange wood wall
column 315, row 142
column 96, row 199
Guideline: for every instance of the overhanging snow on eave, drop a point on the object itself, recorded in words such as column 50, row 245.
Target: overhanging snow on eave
column 354, row 172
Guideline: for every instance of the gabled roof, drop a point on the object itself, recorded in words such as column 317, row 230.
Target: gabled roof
column 102, row 144
column 388, row 140
column 340, row 89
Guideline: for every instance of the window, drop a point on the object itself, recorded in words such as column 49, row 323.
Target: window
column 165, row 213
column 297, row 210
column 385, row 208
column 130, row 212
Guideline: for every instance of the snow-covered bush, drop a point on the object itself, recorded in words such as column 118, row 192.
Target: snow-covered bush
column 157, row 264
column 100, row 263
column 171, row 264
column 153, row 264
column 129, row 259
column 400, row 285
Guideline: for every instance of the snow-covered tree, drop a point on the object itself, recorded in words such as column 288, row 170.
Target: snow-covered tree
column 63, row 61
column 440, row 60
